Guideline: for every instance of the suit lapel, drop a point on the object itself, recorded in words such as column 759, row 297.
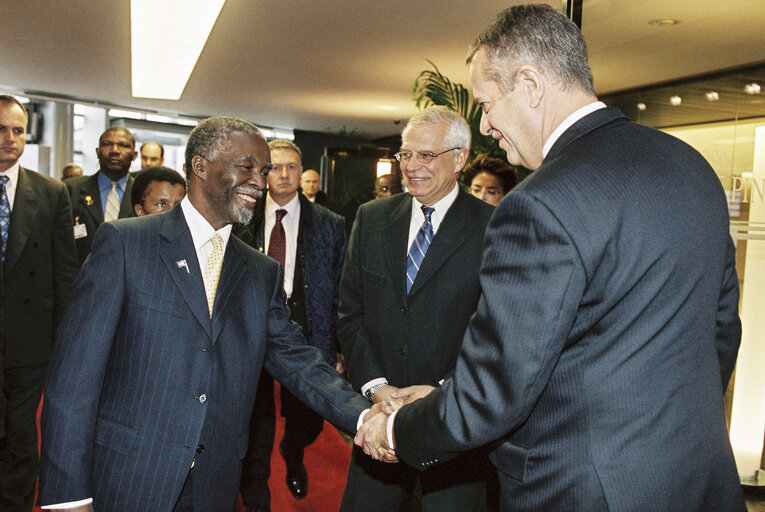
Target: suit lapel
column 23, row 215
column 90, row 198
column 394, row 241
column 178, row 253
column 126, row 207
column 449, row 237
column 232, row 279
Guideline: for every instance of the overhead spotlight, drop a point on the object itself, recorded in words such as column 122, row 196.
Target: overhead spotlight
column 712, row 96
column 753, row 88
column 675, row 100
column 641, row 106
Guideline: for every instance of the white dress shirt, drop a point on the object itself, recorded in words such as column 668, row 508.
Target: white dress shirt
column 291, row 223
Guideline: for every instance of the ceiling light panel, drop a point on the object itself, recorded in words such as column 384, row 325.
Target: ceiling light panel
column 167, row 37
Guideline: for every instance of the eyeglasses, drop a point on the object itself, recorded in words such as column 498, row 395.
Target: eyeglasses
column 424, row 157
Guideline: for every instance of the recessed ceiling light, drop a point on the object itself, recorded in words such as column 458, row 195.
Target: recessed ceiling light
column 712, row 96
column 664, row 22
column 386, row 107
column 641, row 106
column 166, row 40
column 753, row 88
column 675, row 100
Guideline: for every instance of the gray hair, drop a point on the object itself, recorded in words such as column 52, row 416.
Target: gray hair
column 210, row 136
column 457, row 133
column 541, row 36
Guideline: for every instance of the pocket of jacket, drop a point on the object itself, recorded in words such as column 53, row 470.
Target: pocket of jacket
column 115, row 436
column 511, row 460
column 161, row 305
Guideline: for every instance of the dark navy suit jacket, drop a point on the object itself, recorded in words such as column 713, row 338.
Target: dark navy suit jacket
column 142, row 381
column 606, row 333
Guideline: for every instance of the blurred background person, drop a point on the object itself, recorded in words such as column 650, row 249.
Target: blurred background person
column 387, row 185
column 489, row 179
column 152, row 155
column 71, row 171
column 310, row 184
column 105, row 195
column 157, row 190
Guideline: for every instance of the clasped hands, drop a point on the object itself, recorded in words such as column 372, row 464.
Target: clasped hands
column 372, row 436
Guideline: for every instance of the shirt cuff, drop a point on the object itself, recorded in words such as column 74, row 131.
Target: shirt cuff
column 372, row 383
column 389, row 429
column 68, row 504
column 361, row 418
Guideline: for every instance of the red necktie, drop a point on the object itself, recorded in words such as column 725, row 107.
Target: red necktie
column 277, row 244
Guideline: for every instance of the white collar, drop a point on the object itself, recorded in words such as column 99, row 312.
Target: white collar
column 201, row 230
column 292, row 207
column 13, row 174
column 568, row 122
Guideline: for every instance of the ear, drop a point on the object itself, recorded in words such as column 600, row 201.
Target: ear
column 532, row 85
column 198, row 167
column 461, row 159
column 138, row 209
column 135, row 154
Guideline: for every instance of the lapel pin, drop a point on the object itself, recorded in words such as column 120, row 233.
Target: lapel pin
column 88, row 200
column 182, row 264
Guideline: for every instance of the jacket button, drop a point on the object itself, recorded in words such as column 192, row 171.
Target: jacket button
column 402, row 351
column 202, row 398
column 204, row 349
column 200, row 448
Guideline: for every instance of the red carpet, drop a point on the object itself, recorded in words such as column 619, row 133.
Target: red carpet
column 326, row 461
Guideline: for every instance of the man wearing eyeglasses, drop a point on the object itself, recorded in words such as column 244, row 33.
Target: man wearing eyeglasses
column 408, row 288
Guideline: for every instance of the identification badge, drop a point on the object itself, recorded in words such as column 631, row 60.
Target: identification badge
column 80, row 231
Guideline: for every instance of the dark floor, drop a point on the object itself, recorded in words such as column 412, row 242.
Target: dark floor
column 755, row 498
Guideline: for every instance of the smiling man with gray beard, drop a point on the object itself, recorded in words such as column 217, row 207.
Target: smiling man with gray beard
column 156, row 364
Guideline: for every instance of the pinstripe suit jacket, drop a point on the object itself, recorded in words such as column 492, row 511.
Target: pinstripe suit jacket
column 605, row 335
column 142, row 381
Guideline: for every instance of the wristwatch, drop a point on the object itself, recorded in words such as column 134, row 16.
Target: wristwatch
column 374, row 389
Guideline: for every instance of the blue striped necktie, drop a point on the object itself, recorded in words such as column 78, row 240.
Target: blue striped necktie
column 5, row 216
column 419, row 247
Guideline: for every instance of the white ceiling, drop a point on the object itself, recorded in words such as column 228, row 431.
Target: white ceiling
column 349, row 65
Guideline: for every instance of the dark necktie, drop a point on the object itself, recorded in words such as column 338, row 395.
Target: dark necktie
column 277, row 243
column 419, row 247
column 5, row 216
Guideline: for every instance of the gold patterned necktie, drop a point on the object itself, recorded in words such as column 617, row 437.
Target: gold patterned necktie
column 212, row 270
column 112, row 204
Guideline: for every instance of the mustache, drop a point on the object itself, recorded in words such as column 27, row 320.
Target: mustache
column 254, row 191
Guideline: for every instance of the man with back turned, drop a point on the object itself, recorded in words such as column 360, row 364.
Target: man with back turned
column 608, row 324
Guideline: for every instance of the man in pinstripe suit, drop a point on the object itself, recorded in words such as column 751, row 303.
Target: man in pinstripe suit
column 155, row 367
column 608, row 325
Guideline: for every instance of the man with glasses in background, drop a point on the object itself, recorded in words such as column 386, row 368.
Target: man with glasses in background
column 408, row 288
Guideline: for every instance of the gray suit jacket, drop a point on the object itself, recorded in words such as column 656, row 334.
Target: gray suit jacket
column 605, row 335
column 142, row 381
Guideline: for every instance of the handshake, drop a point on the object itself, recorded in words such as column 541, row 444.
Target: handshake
column 373, row 434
